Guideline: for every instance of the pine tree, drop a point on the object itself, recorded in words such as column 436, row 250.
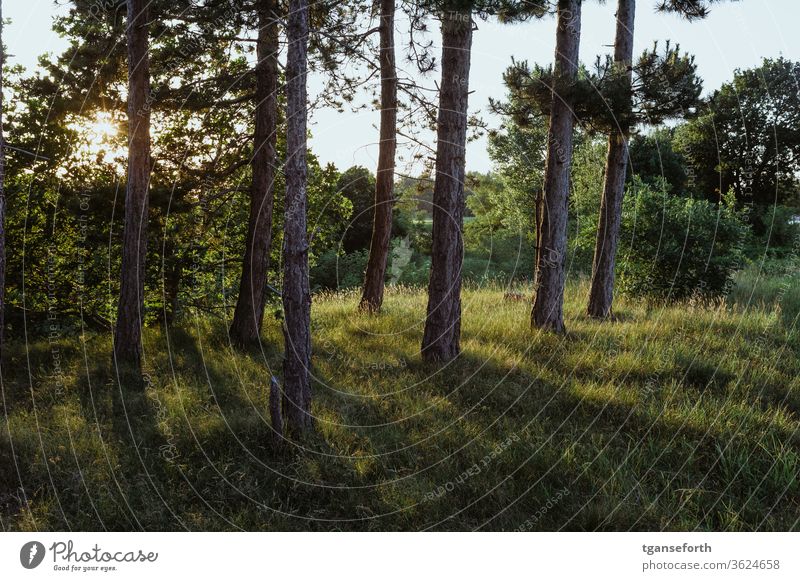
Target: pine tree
column 602, row 286
column 249, row 312
column 128, row 330
column 548, row 303
column 667, row 97
column 441, row 339
column 617, row 97
column 2, row 194
column 442, row 333
column 372, row 296
column 296, row 293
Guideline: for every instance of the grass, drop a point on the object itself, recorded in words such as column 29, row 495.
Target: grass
column 682, row 417
column 773, row 285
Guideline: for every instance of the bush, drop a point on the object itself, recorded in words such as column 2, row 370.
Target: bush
column 674, row 248
column 777, row 231
column 503, row 255
column 416, row 272
column 335, row 272
column 358, row 185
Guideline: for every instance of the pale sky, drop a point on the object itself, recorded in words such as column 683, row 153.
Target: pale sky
column 735, row 35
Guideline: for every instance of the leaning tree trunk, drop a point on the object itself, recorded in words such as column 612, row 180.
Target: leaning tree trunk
column 372, row 297
column 441, row 339
column 249, row 312
column 128, row 331
column 601, row 293
column 2, row 195
column 548, row 302
column 296, row 294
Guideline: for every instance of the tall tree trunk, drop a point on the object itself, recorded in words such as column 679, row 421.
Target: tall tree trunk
column 130, row 314
column 249, row 312
column 601, row 293
column 296, row 294
column 2, row 195
column 372, row 297
column 441, row 339
column 548, row 302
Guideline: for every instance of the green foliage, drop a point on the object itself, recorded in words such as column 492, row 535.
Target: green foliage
column 653, row 158
column 518, row 152
column 65, row 207
column 676, row 248
column 780, row 238
column 503, row 256
column 414, row 273
column 587, row 176
column 334, row 271
column 688, row 9
column 665, row 85
column 415, row 196
column 357, row 184
column 494, row 206
column 747, row 137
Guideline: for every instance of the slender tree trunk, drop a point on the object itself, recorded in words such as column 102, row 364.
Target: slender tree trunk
column 2, row 195
column 130, row 314
column 296, row 294
column 441, row 339
column 601, row 293
column 249, row 312
column 372, row 298
column 548, row 302
column 538, row 205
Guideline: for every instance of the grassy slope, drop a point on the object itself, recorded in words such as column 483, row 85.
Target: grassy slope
column 676, row 418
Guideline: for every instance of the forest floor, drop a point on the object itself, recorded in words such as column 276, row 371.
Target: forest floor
column 681, row 417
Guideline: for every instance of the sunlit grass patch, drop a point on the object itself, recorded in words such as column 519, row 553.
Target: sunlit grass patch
column 671, row 416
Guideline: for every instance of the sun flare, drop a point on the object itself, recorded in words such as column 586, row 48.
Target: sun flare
column 102, row 129
column 100, row 136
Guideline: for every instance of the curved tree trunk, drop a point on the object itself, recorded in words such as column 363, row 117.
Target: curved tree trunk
column 249, row 312
column 130, row 314
column 601, row 293
column 441, row 339
column 296, row 294
column 548, row 302
column 372, row 297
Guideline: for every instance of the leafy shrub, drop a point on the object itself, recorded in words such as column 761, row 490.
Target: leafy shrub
column 357, row 184
column 778, row 231
column 415, row 273
column 333, row 271
column 674, row 248
column 503, row 255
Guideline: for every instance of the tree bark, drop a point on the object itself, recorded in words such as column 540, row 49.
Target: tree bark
column 296, row 294
column 249, row 312
column 130, row 313
column 372, row 297
column 550, row 276
column 2, row 195
column 601, row 294
column 441, row 339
